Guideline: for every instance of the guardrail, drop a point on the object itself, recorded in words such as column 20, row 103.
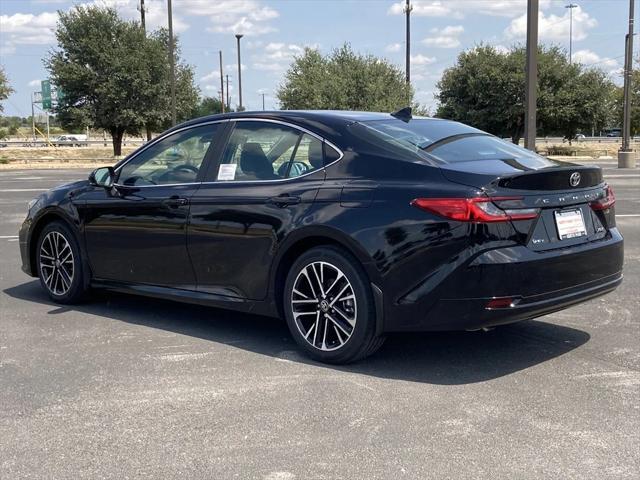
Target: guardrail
column 68, row 144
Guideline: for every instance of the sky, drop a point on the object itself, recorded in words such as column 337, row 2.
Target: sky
column 277, row 30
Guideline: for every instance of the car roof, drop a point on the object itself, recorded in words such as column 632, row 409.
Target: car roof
column 343, row 116
column 326, row 122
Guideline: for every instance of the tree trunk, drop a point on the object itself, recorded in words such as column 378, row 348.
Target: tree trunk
column 148, row 133
column 517, row 132
column 116, row 137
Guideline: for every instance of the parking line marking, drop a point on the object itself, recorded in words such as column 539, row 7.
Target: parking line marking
column 628, row 215
column 7, row 237
column 631, row 175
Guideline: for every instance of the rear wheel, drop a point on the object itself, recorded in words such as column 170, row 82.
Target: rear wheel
column 329, row 306
column 60, row 264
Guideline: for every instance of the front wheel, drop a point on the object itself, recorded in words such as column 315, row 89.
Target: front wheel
column 60, row 264
column 329, row 306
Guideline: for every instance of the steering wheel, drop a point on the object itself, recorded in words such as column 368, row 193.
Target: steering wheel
column 133, row 180
column 186, row 166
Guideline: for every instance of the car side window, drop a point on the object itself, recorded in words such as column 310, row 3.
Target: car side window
column 268, row 151
column 174, row 159
column 307, row 157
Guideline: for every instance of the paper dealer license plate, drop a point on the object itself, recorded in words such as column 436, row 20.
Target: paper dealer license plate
column 570, row 224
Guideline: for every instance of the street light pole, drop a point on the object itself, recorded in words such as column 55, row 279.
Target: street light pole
column 221, row 83
column 626, row 156
column 262, row 102
column 228, row 103
column 239, row 36
column 571, row 6
column 172, row 65
column 407, row 11
column 531, row 71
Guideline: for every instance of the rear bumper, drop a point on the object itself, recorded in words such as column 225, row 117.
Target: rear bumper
column 538, row 283
column 473, row 314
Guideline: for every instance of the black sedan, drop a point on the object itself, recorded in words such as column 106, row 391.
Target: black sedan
column 349, row 225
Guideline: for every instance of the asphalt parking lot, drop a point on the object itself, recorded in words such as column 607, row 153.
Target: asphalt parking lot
column 127, row 387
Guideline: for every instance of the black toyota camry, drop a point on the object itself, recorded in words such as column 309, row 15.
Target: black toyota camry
column 350, row 225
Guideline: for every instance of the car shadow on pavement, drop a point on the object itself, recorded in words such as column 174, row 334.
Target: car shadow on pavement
column 445, row 358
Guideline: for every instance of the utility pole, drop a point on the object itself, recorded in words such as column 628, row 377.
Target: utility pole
column 263, row 102
column 531, row 71
column 142, row 12
column 626, row 156
column 172, row 65
column 221, row 83
column 238, row 37
column 228, row 102
column 571, row 6
column 407, row 11
column 33, row 121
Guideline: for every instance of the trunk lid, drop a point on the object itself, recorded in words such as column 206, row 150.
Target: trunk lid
column 564, row 194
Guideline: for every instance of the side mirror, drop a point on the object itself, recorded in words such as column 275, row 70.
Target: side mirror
column 102, row 177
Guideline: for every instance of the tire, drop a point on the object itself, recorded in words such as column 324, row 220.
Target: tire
column 60, row 265
column 329, row 306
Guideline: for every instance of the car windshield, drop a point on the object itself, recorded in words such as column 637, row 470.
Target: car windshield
column 418, row 133
column 478, row 147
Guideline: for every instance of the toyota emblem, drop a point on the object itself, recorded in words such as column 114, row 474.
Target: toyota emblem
column 574, row 179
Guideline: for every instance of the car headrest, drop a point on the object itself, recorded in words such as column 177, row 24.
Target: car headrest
column 254, row 161
column 316, row 158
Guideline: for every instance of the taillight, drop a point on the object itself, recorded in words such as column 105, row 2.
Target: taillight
column 605, row 202
column 478, row 209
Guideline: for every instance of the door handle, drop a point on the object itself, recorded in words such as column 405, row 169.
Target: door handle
column 175, row 202
column 285, row 199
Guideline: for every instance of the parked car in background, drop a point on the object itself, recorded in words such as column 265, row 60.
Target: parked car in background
column 350, row 225
column 70, row 141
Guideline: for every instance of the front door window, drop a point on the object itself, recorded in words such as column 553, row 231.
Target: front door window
column 173, row 160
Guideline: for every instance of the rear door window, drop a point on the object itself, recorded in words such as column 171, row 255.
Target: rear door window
column 258, row 151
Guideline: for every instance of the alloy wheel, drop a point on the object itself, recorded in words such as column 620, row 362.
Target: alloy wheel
column 324, row 306
column 56, row 263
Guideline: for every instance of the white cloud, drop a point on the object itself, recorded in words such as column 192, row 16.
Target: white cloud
column 277, row 56
column 458, row 8
column 155, row 13
column 34, row 83
column 447, row 37
column 247, row 17
column 394, row 47
column 588, row 58
column 214, row 75
column 422, row 60
column 281, row 51
column 554, row 27
column 26, row 29
column 423, row 8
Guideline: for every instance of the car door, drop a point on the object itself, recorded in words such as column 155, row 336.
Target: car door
column 136, row 231
column 266, row 178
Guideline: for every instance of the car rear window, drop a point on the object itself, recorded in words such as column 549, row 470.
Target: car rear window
column 479, row 147
column 418, row 133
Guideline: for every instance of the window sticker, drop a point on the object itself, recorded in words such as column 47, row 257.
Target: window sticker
column 227, row 171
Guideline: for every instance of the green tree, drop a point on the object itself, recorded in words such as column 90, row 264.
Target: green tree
column 486, row 89
column 113, row 76
column 209, row 106
column 343, row 80
column 5, row 88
